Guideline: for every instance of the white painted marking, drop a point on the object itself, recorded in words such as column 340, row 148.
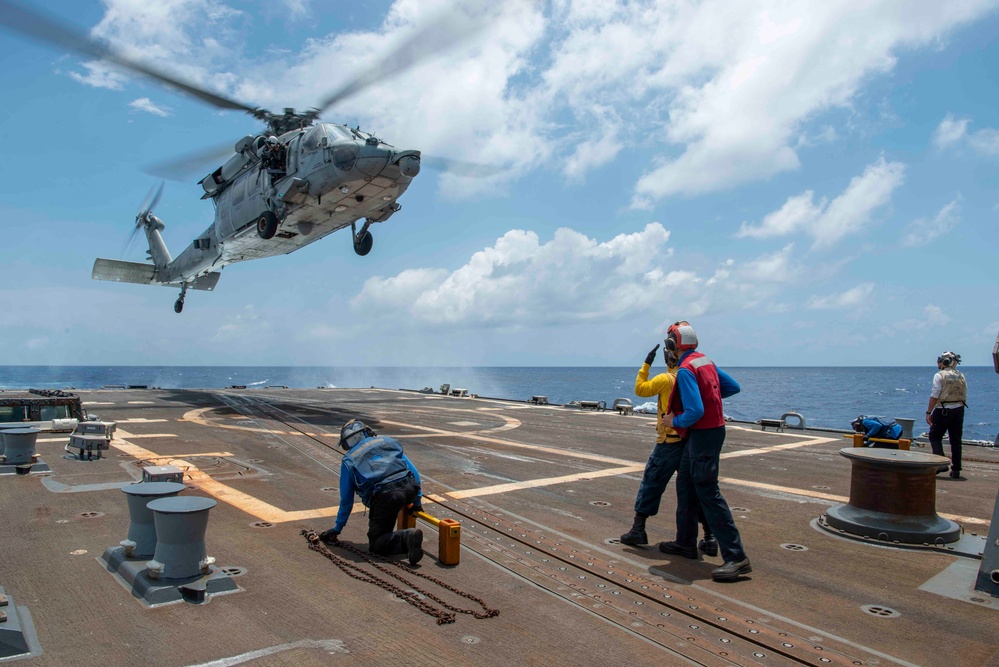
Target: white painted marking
column 329, row 645
column 98, row 403
column 463, row 423
column 140, row 402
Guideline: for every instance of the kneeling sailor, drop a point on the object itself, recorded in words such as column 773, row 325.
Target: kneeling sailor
column 376, row 468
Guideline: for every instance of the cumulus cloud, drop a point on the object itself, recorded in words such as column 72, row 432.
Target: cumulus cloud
column 848, row 299
column 950, row 131
column 100, row 75
column 797, row 212
column 147, row 105
column 923, row 230
column 522, row 281
column 954, row 131
column 717, row 93
column 830, row 221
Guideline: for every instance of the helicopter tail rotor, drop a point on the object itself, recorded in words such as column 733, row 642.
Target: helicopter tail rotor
column 142, row 218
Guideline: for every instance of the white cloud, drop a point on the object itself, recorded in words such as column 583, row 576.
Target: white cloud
column 933, row 315
column 776, row 267
column 923, row 230
column 953, row 131
column 985, row 141
column 522, row 281
column 829, row 222
column 719, row 93
column 147, row 105
column 852, row 210
column 796, row 213
column 100, row 75
column 950, row 131
column 848, row 299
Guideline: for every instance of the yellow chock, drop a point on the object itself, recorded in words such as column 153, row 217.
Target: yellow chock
column 858, row 441
column 449, row 543
column 449, row 534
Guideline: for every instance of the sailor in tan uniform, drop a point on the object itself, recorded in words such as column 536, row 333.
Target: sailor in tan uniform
column 945, row 412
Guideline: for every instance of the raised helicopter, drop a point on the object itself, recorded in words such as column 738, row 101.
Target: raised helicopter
column 289, row 185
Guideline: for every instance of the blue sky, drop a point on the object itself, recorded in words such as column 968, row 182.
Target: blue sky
column 807, row 183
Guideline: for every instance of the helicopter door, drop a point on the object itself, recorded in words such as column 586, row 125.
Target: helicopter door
column 293, row 147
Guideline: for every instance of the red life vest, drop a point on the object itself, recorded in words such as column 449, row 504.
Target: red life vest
column 706, row 374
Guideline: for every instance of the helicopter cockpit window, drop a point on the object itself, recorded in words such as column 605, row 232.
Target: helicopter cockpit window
column 312, row 139
column 338, row 133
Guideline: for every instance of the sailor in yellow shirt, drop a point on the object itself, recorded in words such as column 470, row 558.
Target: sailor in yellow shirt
column 665, row 457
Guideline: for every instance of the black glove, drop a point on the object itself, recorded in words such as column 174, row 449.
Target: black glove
column 416, row 507
column 651, row 356
column 329, row 536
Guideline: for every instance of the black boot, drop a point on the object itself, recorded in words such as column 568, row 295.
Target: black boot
column 414, row 546
column 708, row 546
column 636, row 536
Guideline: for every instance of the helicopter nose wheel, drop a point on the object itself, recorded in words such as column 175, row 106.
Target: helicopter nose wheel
column 178, row 305
column 362, row 239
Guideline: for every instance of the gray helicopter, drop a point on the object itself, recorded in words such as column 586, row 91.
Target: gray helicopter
column 292, row 184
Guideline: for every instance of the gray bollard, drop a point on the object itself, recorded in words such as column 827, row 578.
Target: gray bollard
column 181, row 523
column 141, row 542
column 7, row 427
column 906, row 425
column 19, row 445
column 988, row 573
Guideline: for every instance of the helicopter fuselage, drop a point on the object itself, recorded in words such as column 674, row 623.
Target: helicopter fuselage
column 333, row 176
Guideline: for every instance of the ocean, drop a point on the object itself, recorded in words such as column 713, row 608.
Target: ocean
column 828, row 397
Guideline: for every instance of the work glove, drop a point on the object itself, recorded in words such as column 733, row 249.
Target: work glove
column 651, row 356
column 329, row 536
column 414, row 508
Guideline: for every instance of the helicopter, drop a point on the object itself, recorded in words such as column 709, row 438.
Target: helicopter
column 282, row 188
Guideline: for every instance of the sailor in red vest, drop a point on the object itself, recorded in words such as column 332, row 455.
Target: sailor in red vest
column 695, row 410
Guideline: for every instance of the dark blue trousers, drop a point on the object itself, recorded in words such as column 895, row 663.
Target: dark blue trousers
column 382, row 514
column 951, row 422
column 659, row 470
column 697, row 485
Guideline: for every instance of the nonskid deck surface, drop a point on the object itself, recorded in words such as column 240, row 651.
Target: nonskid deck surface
column 541, row 492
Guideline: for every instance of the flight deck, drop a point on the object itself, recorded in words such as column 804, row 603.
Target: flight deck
column 542, row 494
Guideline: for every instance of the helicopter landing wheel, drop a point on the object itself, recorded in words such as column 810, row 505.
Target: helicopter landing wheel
column 267, row 225
column 178, row 305
column 363, row 243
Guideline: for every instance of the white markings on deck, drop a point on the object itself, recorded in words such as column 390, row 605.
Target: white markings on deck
column 98, row 403
column 463, row 423
column 141, row 403
column 776, row 448
column 331, row 646
column 270, row 513
column 535, row 483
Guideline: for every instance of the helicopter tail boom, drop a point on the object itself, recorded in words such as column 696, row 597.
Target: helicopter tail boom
column 145, row 274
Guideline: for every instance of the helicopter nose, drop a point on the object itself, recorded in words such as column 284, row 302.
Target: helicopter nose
column 409, row 166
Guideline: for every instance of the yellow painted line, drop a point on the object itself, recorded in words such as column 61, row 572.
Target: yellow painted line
column 243, row 501
column 548, row 481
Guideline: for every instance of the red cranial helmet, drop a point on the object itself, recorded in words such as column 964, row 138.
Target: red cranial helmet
column 681, row 337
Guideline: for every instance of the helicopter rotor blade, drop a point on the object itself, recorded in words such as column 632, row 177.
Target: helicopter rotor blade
column 185, row 167
column 460, row 167
column 33, row 23
column 444, row 32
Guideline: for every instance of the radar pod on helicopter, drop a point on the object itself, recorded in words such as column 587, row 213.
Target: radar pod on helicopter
column 291, row 184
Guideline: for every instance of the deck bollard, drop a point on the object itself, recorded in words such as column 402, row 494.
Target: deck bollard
column 19, row 445
column 893, row 498
column 141, row 542
column 448, row 534
column 181, row 522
